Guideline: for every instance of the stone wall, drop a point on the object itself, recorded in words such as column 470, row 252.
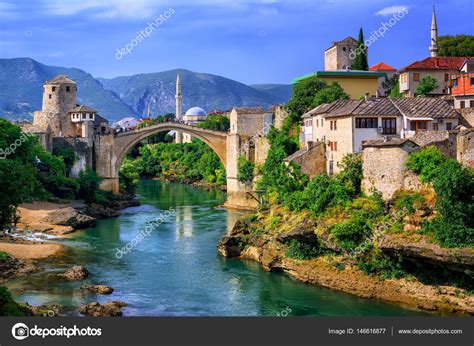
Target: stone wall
column 83, row 151
column 384, row 170
column 467, row 117
column 312, row 159
column 465, row 148
column 444, row 140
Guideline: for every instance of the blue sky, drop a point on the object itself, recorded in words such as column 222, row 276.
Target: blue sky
column 252, row 41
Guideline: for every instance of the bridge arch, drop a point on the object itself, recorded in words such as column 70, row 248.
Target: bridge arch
column 113, row 148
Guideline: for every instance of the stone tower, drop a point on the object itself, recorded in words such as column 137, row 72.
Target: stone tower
column 340, row 55
column 59, row 97
column 178, row 114
column 434, row 35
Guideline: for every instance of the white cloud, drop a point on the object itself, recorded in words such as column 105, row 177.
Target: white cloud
column 388, row 11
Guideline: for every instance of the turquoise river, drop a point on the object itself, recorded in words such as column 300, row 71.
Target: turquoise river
column 176, row 270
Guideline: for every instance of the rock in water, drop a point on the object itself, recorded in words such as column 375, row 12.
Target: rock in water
column 101, row 289
column 69, row 217
column 76, row 273
column 109, row 309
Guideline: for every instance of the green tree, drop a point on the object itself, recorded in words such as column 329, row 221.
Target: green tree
column 129, row 176
column 303, row 97
column 329, row 94
column 395, row 92
column 390, row 83
column 459, row 45
column 361, row 53
column 426, row 85
column 216, row 122
column 245, row 170
column 88, row 185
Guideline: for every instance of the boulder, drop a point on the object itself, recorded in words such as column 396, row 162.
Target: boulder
column 101, row 289
column 109, row 309
column 69, row 217
column 76, row 273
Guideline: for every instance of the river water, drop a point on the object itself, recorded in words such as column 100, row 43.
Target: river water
column 176, row 270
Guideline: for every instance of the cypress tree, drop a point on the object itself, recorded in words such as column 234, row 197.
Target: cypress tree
column 360, row 61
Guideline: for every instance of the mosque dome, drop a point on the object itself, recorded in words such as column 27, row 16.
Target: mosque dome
column 196, row 111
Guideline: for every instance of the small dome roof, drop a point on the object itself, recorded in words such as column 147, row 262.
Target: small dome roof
column 196, row 111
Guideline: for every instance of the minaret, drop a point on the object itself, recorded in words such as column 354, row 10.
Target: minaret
column 148, row 114
column 179, row 100
column 434, row 35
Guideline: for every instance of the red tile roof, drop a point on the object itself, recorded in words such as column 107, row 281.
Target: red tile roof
column 438, row 63
column 381, row 66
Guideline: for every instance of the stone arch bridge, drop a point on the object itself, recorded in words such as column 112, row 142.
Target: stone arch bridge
column 111, row 149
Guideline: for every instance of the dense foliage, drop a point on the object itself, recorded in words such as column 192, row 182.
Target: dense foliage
column 302, row 250
column 88, row 185
column 8, row 306
column 216, row 122
column 181, row 162
column 427, row 84
column 390, row 83
column 454, row 187
column 459, row 45
column 308, row 94
column 245, row 170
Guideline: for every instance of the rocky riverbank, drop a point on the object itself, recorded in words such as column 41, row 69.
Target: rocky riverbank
column 265, row 239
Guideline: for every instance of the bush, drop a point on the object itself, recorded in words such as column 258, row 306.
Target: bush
column 245, row 170
column 302, row 251
column 4, row 256
column 351, row 233
column 408, row 201
column 129, row 177
column 88, row 185
column 351, row 172
column 454, row 187
column 8, row 307
column 382, row 265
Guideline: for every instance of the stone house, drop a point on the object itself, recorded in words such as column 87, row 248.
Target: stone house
column 345, row 125
column 441, row 68
column 384, row 169
column 389, row 73
column 338, row 56
column 463, row 86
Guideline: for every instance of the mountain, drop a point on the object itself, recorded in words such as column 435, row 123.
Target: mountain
column 207, row 91
column 21, row 88
column 280, row 91
column 22, row 79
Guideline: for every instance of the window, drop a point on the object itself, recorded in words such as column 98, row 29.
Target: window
column 322, row 124
column 317, row 122
column 435, row 126
column 416, row 125
column 330, row 125
column 68, row 89
column 83, row 115
column 53, row 89
column 49, row 96
column 333, row 146
column 472, row 81
column 462, row 104
column 366, row 123
column 91, row 116
column 449, row 126
column 446, row 77
column 403, row 78
column 389, row 126
column 343, row 49
column 416, row 77
column 455, row 83
column 471, row 104
column 333, row 125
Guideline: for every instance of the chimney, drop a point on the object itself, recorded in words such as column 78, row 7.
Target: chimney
column 377, row 94
column 366, row 96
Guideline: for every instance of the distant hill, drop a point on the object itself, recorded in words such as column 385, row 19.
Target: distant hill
column 280, row 91
column 22, row 79
column 207, row 91
column 21, row 88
